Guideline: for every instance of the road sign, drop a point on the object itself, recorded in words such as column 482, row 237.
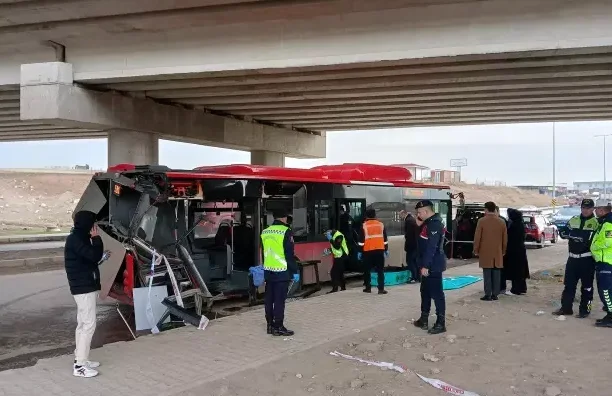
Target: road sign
column 458, row 162
column 553, row 202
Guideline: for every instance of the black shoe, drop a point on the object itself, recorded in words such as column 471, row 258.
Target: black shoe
column 494, row 298
column 383, row 292
column 583, row 315
column 422, row 322
column 562, row 311
column 332, row 291
column 270, row 329
column 343, row 289
column 486, row 298
column 282, row 332
column 367, row 290
column 438, row 328
column 606, row 321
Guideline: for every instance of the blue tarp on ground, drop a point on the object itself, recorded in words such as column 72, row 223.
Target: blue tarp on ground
column 458, row 282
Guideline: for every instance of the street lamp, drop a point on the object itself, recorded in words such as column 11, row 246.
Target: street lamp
column 554, row 164
column 605, row 184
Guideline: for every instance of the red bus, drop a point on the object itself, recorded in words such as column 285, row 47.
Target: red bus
column 207, row 221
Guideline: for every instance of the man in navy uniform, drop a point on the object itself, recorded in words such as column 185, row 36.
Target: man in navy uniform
column 280, row 268
column 432, row 262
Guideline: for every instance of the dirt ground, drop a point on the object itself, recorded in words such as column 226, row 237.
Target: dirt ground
column 32, row 201
column 505, row 348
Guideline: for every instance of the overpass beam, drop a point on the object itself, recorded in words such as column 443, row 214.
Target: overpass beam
column 269, row 158
column 49, row 95
column 132, row 147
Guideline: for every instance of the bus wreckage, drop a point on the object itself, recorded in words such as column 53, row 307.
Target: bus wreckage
column 196, row 232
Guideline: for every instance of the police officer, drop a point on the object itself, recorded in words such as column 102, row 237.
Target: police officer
column 279, row 268
column 432, row 262
column 601, row 247
column 374, row 249
column 339, row 250
column 580, row 264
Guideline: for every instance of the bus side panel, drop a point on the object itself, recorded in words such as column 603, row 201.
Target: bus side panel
column 314, row 251
column 397, row 256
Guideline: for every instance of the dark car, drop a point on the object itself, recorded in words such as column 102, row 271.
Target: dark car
column 563, row 215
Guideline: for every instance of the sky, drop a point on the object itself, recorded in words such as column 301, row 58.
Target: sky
column 516, row 154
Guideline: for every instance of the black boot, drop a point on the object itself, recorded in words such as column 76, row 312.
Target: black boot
column 606, row 321
column 367, row 290
column 383, row 292
column 422, row 322
column 334, row 290
column 439, row 327
column 486, row 298
column 562, row 311
column 270, row 328
column 282, row 331
column 269, row 325
column 583, row 314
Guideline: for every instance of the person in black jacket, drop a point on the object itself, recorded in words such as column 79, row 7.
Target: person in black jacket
column 432, row 261
column 82, row 253
column 411, row 234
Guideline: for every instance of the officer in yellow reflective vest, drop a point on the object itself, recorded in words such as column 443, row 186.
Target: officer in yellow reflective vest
column 280, row 268
column 340, row 251
column 580, row 264
column 602, row 253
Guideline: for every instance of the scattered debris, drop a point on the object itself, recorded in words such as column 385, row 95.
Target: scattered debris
column 434, row 371
column 430, row 358
column 451, row 338
column 298, row 375
column 357, row 383
column 390, row 366
column 561, row 317
column 540, row 313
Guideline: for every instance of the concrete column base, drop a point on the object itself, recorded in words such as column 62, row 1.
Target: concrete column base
column 131, row 147
column 269, row 158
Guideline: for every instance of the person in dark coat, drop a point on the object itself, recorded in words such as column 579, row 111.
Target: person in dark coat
column 82, row 253
column 411, row 235
column 516, row 265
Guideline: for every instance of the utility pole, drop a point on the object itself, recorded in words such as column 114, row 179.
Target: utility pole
column 554, row 164
column 605, row 183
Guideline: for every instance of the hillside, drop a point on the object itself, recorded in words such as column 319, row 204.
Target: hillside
column 32, row 200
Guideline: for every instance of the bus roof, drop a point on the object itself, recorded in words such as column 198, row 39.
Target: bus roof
column 350, row 173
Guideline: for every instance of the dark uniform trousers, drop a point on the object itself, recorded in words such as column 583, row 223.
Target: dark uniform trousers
column 374, row 260
column 604, row 285
column 337, row 272
column 274, row 300
column 578, row 269
column 432, row 289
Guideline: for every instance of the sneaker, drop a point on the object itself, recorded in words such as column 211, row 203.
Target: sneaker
column 509, row 293
column 90, row 363
column 84, row 371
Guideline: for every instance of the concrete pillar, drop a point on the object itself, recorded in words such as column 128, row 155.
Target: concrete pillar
column 131, row 147
column 269, row 158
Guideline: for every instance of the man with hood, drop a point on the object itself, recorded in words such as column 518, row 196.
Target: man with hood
column 82, row 254
column 432, row 262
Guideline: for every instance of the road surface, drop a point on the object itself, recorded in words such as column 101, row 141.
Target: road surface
column 16, row 247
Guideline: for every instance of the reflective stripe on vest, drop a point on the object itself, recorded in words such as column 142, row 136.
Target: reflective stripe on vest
column 374, row 239
column 273, row 250
column 338, row 252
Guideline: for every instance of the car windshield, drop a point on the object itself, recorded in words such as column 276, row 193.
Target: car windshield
column 569, row 212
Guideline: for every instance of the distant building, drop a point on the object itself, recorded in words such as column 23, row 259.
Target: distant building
column 419, row 172
column 445, row 176
column 592, row 186
column 545, row 190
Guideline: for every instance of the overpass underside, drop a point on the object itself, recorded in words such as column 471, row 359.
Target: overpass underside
column 273, row 77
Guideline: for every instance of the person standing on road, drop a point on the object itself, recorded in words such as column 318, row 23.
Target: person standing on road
column 601, row 248
column 82, row 253
column 279, row 268
column 502, row 272
column 375, row 248
column 580, row 265
column 432, row 261
column 490, row 243
column 411, row 235
column 340, row 251
column 516, row 265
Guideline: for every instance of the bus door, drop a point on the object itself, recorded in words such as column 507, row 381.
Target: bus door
column 348, row 223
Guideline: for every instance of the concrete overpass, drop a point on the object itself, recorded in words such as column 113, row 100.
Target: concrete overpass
column 274, row 76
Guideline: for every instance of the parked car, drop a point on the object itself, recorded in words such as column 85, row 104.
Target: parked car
column 563, row 215
column 539, row 229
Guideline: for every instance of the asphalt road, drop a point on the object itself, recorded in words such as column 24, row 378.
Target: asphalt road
column 16, row 247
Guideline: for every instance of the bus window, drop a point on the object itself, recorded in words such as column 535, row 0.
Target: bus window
column 442, row 207
column 356, row 210
column 323, row 217
column 300, row 215
column 388, row 213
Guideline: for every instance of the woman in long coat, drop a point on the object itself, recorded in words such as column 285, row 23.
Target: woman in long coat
column 516, row 266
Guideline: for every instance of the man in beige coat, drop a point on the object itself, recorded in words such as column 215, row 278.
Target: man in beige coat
column 490, row 243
